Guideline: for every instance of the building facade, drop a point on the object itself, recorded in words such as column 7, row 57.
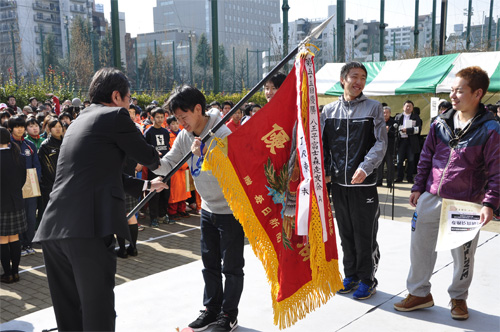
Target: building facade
column 240, row 23
column 26, row 23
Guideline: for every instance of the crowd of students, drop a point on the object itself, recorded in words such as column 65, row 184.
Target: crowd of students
column 36, row 132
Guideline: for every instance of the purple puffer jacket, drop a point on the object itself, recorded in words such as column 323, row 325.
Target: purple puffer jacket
column 471, row 170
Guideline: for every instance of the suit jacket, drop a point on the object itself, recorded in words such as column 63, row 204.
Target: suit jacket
column 88, row 198
column 414, row 132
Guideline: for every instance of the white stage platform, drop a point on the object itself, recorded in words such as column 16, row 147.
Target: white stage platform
column 171, row 299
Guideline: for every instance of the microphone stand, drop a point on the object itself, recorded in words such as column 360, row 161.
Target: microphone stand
column 394, row 150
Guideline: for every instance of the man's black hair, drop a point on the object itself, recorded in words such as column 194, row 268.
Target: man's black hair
column 5, row 139
column 40, row 117
column 32, row 98
column 227, row 102
column 133, row 107
column 171, row 119
column 215, row 102
column 144, row 115
column 409, row 102
column 347, row 67
column 186, row 98
column 446, row 104
column 247, row 109
column 277, row 79
column 5, row 114
column 490, row 107
column 157, row 110
column 4, row 136
column 73, row 111
column 52, row 122
column 384, row 104
column 62, row 115
column 32, row 120
column 11, row 96
column 104, row 82
column 17, row 121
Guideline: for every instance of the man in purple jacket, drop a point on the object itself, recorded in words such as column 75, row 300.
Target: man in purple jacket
column 460, row 160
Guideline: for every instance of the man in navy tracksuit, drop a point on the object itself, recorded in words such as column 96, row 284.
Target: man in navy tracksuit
column 354, row 145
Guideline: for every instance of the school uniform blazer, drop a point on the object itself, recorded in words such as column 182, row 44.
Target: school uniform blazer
column 88, row 198
column 12, row 179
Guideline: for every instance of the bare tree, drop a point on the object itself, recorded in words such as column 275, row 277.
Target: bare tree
column 81, row 67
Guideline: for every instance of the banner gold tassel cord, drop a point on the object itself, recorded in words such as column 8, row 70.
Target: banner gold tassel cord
column 326, row 277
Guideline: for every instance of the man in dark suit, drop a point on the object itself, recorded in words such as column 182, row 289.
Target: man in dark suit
column 409, row 127
column 389, row 153
column 87, row 205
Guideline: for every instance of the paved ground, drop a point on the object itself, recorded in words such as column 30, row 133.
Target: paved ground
column 160, row 250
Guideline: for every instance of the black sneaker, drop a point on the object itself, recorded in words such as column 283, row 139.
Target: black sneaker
column 206, row 319
column 225, row 323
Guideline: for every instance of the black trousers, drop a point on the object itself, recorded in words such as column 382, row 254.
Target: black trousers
column 405, row 152
column 389, row 161
column 81, row 276
column 158, row 204
column 222, row 242
column 357, row 212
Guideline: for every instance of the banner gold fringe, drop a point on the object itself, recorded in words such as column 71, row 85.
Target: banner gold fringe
column 326, row 278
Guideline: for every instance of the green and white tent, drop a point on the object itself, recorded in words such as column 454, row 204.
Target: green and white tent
column 394, row 82
column 413, row 76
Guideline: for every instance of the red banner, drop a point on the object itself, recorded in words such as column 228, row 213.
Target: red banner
column 258, row 168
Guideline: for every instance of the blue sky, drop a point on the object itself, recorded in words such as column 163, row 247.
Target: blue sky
column 139, row 18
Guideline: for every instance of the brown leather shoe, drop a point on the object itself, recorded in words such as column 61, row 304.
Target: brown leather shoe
column 7, row 278
column 412, row 302
column 459, row 309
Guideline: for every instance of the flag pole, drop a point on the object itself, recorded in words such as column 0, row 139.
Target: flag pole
column 313, row 35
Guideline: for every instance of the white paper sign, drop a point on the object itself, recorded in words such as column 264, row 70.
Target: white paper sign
column 434, row 106
column 459, row 223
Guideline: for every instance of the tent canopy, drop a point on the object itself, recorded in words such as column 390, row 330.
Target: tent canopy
column 414, row 76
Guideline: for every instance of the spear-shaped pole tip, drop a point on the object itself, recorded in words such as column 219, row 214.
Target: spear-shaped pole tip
column 317, row 31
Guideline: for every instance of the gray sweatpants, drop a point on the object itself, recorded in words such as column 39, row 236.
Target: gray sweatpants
column 423, row 255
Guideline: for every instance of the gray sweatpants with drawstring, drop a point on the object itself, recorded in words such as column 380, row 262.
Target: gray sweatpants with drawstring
column 423, row 255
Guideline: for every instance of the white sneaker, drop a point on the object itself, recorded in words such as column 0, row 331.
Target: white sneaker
column 24, row 252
